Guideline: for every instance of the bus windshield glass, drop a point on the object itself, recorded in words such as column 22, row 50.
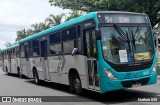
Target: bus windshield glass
column 124, row 44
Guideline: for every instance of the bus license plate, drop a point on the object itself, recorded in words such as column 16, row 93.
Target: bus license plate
column 136, row 85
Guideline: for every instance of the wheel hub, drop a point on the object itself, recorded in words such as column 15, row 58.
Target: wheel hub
column 77, row 84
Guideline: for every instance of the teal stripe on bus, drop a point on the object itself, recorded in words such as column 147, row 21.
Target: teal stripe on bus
column 10, row 47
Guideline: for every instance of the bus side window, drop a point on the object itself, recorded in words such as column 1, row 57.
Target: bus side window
column 12, row 53
column 55, row 43
column 22, row 50
column 30, row 49
column 17, row 52
column 35, row 48
column 26, row 51
column 69, row 37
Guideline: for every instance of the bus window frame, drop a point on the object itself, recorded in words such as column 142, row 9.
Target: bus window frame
column 68, row 40
column 44, row 38
column 49, row 42
column 17, row 52
column 31, row 48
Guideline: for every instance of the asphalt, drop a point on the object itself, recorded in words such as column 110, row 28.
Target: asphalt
column 12, row 85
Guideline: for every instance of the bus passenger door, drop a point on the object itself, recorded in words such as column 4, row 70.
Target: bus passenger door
column 91, row 52
column 44, row 60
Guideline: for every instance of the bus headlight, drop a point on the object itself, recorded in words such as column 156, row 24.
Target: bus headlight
column 109, row 74
column 154, row 69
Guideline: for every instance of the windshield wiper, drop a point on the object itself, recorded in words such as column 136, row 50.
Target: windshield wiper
column 123, row 35
column 128, row 40
column 133, row 40
column 120, row 32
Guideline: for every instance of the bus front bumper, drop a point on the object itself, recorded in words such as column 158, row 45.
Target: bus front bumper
column 110, row 85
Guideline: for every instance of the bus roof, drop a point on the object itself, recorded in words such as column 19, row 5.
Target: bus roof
column 91, row 15
column 71, row 22
column 10, row 47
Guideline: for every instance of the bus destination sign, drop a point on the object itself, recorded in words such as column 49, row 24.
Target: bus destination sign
column 122, row 18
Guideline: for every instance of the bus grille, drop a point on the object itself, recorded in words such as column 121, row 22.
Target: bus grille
column 129, row 83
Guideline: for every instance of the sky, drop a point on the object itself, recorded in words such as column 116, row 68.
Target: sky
column 19, row 14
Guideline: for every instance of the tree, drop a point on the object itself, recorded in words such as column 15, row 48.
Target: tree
column 35, row 27
column 7, row 44
column 21, row 34
column 73, row 15
column 38, row 27
column 150, row 7
column 43, row 26
column 29, row 32
column 54, row 20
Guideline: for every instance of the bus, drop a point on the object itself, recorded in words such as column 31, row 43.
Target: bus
column 100, row 51
column 11, row 60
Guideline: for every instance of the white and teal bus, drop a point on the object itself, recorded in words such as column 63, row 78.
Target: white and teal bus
column 99, row 51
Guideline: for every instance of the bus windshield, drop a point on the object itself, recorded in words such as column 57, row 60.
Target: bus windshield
column 124, row 44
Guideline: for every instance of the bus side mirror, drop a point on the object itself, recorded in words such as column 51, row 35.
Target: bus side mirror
column 98, row 34
column 74, row 51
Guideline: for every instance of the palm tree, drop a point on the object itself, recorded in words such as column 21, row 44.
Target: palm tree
column 38, row 27
column 35, row 28
column 54, row 20
column 21, row 34
column 73, row 15
column 7, row 44
column 43, row 26
column 29, row 32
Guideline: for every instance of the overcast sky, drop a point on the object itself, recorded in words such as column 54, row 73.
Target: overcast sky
column 19, row 14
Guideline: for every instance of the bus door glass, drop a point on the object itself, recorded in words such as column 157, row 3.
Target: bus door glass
column 91, row 52
column 43, row 59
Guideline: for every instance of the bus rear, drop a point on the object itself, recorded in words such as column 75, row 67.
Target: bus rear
column 126, row 51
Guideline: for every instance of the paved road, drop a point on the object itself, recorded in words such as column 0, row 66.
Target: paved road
column 14, row 86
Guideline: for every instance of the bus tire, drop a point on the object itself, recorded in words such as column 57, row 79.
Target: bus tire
column 36, row 77
column 77, row 84
column 19, row 73
column 71, row 87
column 7, row 71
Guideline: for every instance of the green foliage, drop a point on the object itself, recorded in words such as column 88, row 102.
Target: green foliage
column 38, row 27
column 21, row 34
column 72, row 15
column 52, row 20
column 150, row 7
column 7, row 44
